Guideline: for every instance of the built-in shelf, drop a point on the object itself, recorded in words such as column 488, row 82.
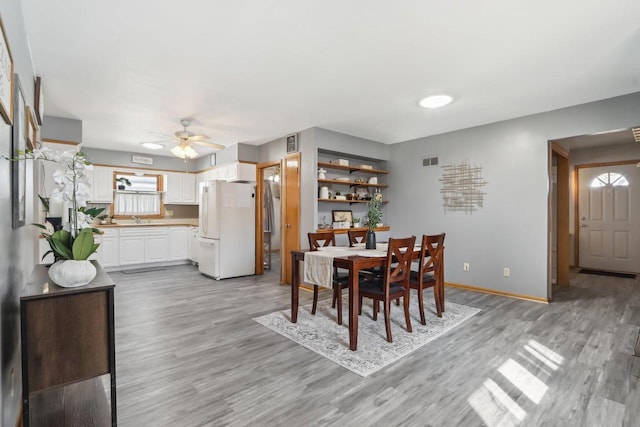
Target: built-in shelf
column 351, row 169
column 347, row 201
column 351, row 183
column 344, row 230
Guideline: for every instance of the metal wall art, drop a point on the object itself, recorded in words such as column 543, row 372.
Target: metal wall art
column 462, row 187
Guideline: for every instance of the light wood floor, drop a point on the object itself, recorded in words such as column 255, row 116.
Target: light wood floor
column 188, row 354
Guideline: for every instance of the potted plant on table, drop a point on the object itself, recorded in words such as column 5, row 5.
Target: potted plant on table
column 374, row 215
column 74, row 243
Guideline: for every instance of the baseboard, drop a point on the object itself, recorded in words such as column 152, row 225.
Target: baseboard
column 496, row 292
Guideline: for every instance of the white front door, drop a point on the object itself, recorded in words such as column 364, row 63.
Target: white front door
column 609, row 218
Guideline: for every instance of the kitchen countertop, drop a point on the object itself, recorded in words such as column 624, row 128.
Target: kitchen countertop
column 149, row 224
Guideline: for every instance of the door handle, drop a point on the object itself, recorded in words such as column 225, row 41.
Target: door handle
column 288, row 225
column 583, row 225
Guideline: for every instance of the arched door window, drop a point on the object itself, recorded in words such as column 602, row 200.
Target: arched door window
column 609, row 178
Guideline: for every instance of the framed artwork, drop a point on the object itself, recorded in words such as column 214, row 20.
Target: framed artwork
column 6, row 78
column 18, row 167
column 292, row 143
column 31, row 129
column 39, row 101
column 212, row 159
column 342, row 216
column 362, row 193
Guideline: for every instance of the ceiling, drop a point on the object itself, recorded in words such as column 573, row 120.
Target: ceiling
column 623, row 136
column 252, row 70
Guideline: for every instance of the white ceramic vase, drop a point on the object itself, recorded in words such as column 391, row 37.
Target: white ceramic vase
column 71, row 273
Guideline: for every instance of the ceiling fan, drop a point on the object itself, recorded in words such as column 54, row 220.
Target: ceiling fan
column 185, row 138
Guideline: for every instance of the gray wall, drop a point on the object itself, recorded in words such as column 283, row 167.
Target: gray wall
column 511, row 230
column 122, row 158
column 62, row 129
column 17, row 247
column 309, row 141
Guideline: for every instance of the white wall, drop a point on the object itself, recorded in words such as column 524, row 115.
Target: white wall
column 511, row 229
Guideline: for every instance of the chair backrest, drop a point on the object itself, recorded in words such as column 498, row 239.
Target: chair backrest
column 399, row 255
column 356, row 236
column 431, row 252
column 317, row 240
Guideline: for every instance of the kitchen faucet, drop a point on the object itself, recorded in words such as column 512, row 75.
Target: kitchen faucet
column 136, row 219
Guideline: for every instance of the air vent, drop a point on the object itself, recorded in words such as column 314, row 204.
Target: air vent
column 429, row 161
column 636, row 134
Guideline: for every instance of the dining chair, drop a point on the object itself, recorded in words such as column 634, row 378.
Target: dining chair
column 359, row 237
column 430, row 273
column 393, row 284
column 340, row 280
column 356, row 236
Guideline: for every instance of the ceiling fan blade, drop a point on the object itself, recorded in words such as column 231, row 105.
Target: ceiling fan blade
column 198, row 137
column 208, row 144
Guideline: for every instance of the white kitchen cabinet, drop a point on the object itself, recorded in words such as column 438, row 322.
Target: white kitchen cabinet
column 108, row 252
column 101, row 179
column 131, row 250
column 156, row 247
column 193, row 244
column 179, row 243
column 180, row 188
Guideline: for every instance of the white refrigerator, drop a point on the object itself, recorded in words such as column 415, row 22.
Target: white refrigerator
column 226, row 244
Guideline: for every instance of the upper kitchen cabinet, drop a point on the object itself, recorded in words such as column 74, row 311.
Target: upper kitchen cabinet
column 101, row 180
column 180, row 189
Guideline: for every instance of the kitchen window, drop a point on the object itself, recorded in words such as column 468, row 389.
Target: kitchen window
column 137, row 195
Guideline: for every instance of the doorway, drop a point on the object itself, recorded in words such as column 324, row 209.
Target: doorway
column 559, row 236
column 268, row 223
column 608, row 216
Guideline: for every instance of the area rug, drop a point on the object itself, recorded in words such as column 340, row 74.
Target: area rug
column 607, row 273
column 321, row 333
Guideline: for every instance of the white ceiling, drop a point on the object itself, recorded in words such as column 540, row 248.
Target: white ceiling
column 254, row 70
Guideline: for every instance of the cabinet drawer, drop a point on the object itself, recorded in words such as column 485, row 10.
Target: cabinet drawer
column 143, row 231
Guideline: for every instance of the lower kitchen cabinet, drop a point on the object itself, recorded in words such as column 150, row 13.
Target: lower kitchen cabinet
column 179, row 243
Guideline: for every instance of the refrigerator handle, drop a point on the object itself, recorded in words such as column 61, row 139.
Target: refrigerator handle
column 205, row 211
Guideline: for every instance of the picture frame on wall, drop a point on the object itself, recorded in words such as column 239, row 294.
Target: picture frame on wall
column 6, row 77
column 342, row 216
column 31, row 129
column 18, row 167
column 292, row 143
column 39, row 101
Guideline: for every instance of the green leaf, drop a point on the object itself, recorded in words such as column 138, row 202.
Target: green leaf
column 84, row 246
column 45, row 202
column 60, row 243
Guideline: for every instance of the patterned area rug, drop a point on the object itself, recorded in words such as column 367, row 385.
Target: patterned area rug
column 323, row 335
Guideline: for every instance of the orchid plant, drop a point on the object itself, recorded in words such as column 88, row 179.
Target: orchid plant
column 75, row 241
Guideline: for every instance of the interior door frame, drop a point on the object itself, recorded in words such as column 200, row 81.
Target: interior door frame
column 289, row 203
column 576, row 201
column 260, row 168
column 561, row 216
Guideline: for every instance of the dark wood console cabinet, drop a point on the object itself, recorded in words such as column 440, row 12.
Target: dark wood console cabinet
column 68, row 350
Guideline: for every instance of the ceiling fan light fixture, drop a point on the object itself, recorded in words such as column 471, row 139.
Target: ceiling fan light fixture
column 435, row 101
column 184, row 151
column 152, row 145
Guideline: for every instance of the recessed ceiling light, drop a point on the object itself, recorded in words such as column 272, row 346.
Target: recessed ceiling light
column 152, row 145
column 435, row 101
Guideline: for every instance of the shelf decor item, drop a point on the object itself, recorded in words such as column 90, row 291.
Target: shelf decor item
column 123, row 183
column 374, row 215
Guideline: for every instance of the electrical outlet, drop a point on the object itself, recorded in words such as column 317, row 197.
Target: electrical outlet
column 507, row 272
column 465, row 266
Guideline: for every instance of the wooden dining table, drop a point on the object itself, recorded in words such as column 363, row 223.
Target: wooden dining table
column 352, row 264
